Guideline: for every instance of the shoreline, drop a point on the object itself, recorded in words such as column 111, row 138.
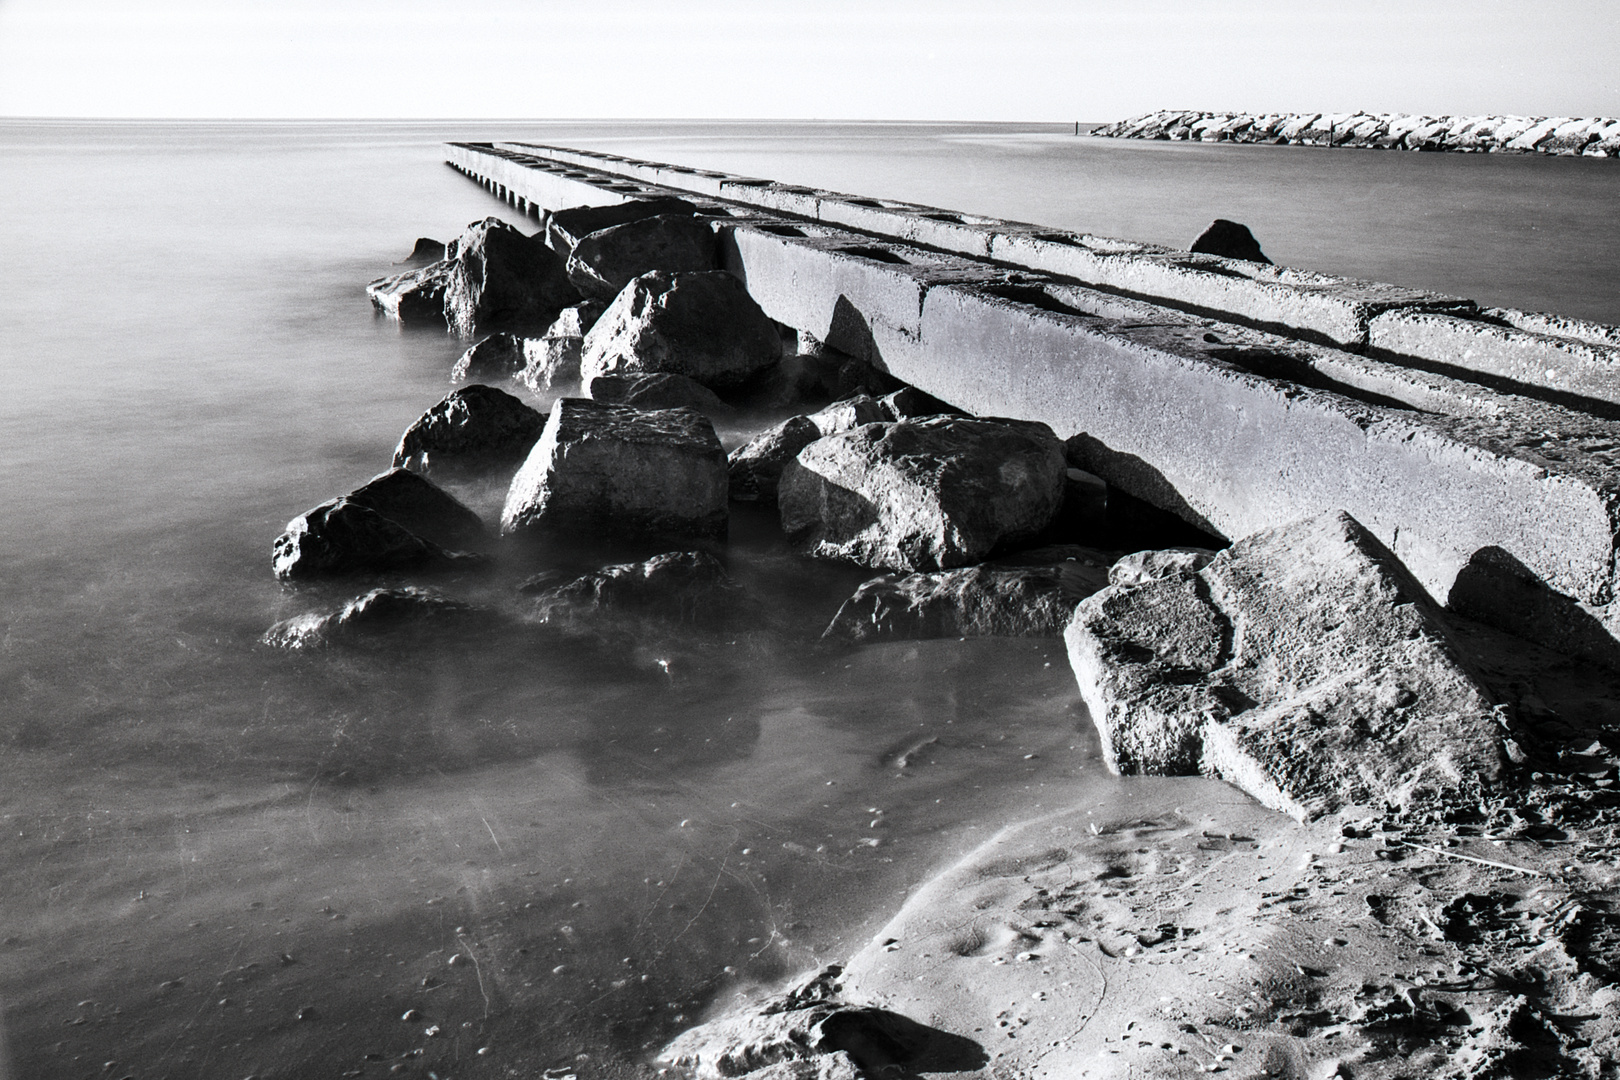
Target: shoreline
column 1562, row 136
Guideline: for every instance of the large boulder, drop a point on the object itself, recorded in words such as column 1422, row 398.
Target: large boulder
column 755, row 468
column 498, row 276
column 1036, row 599
column 1229, row 240
column 379, row 613
column 617, row 471
column 474, row 428
column 848, row 414
column 701, row 325
column 426, row 252
column 660, row 391
column 605, row 261
column 415, row 297
column 567, row 227
column 422, row 507
column 344, row 537
column 1304, row 665
column 925, row 495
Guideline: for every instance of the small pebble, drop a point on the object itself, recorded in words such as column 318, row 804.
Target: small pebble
column 308, row 1013
column 457, row 960
column 411, row 1014
column 432, row 1032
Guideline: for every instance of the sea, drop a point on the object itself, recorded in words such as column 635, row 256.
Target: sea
column 507, row 856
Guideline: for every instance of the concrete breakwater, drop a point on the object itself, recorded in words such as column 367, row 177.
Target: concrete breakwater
column 1597, row 136
column 1235, row 395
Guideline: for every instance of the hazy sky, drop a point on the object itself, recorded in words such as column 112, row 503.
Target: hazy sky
column 891, row 59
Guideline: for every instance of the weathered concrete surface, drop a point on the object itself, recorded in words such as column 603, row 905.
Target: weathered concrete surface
column 1303, row 664
column 615, row 470
column 1572, row 367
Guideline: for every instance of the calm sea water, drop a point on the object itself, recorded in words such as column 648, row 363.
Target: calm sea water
column 541, row 852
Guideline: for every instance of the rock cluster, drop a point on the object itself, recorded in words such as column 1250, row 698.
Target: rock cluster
column 1563, row 135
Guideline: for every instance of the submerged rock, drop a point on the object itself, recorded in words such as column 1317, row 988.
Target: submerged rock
column 660, row 391
column 605, row 261
column 1304, row 665
column 925, row 495
column 755, row 468
column 565, row 228
column 421, row 506
column 1229, row 240
column 979, row 601
column 414, row 298
column 343, row 537
column 474, row 428
column 701, row 325
column 497, row 276
column 689, row 586
column 618, row 471
column 379, row 612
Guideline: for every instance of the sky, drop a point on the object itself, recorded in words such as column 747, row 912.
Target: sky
column 1035, row 60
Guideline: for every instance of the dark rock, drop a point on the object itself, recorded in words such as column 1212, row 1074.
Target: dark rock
column 425, row 253
column 576, row 320
column 605, row 261
column 756, row 467
column 379, row 612
column 702, row 325
column 567, row 227
column 422, row 507
column 343, row 537
column 660, row 391
column 979, row 601
column 925, row 495
column 1304, row 665
column 475, row 428
column 498, row 276
column 1229, row 240
column 910, row 403
column 498, row 356
column 617, row 471
column 688, row 586
column 414, row 298
column 793, row 1035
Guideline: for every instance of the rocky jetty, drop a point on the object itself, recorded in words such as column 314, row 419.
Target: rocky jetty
column 1597, row 136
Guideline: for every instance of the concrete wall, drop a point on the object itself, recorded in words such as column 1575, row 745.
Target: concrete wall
column 1233, row 428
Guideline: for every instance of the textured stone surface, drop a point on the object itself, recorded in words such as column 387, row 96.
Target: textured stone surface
column 550, row 362
column 622, row 472
column 605, row 261
column 343, row 537
column 421, row 506
column 566, row 227
column 426, row 252
column 476, row 427
column 977, row 601
column 415, row 297
column 659, row 391
column 910, row 403
column 925, row 495
column 702, row 325
column 848, row 414
column 755, row 468
column 1303, row 664
column 498, row 276
column 379, row 612
column 1143, row 566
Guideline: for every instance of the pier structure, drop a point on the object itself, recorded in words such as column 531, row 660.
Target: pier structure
column 1481, row 445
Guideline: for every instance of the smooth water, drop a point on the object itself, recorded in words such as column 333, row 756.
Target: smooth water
column 204, row 839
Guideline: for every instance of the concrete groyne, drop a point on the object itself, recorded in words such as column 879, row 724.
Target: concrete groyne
column 1480, row 445
column 1562, row 135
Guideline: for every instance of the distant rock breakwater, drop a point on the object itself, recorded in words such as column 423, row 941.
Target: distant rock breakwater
column 1560, row 135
